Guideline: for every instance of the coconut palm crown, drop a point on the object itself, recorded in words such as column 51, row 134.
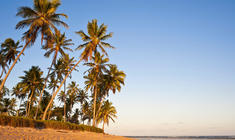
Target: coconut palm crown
column 41, row 18
column 95, row 39
column 9, row 48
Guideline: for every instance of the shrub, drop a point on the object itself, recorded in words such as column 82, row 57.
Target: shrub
column 25, row 122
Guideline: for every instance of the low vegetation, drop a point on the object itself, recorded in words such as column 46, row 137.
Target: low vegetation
column 25, row 122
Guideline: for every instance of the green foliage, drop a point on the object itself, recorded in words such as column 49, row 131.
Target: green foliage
column 25, row 122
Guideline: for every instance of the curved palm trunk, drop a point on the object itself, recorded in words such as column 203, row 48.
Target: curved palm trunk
column 64, row 101
column 44, row 86
column 94, row 107
column 12, row 66
column 1, row 74
column 29, row 105
column 58, row 89
column 49, row 115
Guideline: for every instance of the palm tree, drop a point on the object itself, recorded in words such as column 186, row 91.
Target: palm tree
column 10, row 49
column 18, row 93
column 53, row 83
column 108, row 112
column 45, row 100
column 32, row 83
column 82, row 98
column 57, row 71
column 115, row 78
column 8, row 106
column 8, row 53
column 74, row 118
column 87, row 112
column 5, row 91
column 56, row 45
column 96, row 72
column 63, row 98
column 73, row 97
column 3, row 64
column 94, row 41
column 112, row 80
column 40, row 19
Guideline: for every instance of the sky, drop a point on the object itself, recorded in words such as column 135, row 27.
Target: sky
column 179, row 57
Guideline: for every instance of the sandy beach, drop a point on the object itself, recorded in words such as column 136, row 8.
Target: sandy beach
column 22, row 133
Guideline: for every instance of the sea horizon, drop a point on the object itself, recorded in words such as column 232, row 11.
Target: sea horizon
column 182, row 137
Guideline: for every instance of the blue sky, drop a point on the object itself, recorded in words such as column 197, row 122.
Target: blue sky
column 179, row 57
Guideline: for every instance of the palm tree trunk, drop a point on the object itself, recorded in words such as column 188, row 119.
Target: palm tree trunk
column 27, row 108
column 103, row 127
column 12, row 66
column 100, row 107
column 30, row 100
column 48, row 117
column 1, row 74
column 44, row 86
column 19, row 108
column 64, row 101
column 58, row 89
column 94, row 107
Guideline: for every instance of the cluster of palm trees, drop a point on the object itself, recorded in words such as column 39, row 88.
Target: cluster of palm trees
column 41, row 97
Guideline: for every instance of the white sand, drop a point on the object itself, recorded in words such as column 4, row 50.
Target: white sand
column 23, row 133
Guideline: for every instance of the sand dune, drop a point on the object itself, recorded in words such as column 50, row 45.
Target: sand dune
column 19, row 133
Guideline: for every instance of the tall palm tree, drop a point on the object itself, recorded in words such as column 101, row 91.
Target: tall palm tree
column 95, row 40
column 112, row 80
column 42, row 18
column 97, row 67
column 56, row 45
column 10, row 49
column 115, row 78
column 108, row 112
column 59, row 70
column 8, row 53
column 32, row 83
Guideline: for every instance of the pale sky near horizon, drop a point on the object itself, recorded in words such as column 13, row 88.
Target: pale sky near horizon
column 179, row 57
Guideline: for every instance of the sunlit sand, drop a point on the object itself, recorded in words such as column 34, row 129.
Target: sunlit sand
column 11, row 133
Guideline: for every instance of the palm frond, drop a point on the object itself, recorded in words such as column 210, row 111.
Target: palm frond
column 26, row 12
column 81, row 46
column 105, row 37
column 83, row 35
column 107, row 45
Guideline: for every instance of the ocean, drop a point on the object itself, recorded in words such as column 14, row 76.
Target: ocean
column 183, row 138
column 175, row 139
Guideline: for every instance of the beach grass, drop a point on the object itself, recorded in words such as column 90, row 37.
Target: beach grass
column 39, row 124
